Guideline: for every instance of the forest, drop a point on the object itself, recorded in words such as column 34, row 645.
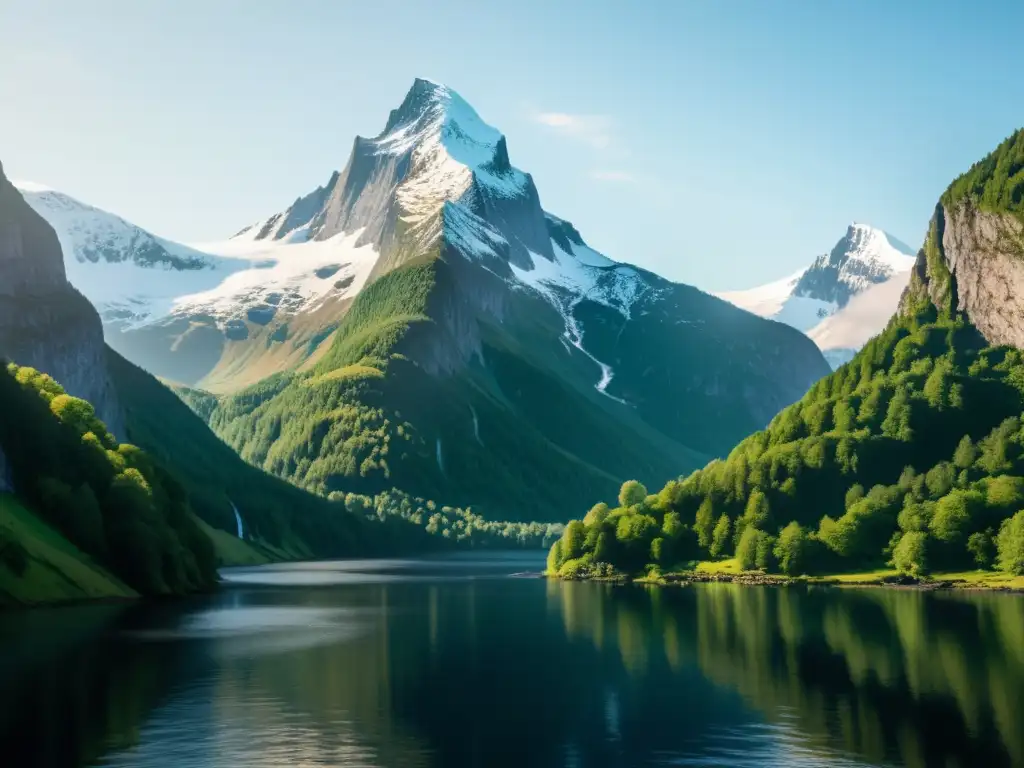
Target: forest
column 109, row 499
column 911, row 454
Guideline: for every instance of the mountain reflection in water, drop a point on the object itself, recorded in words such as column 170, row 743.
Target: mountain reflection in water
column 453, row 663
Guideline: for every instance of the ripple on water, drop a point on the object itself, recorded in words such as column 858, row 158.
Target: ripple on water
column 756, row 745
column 254, row 630
column 255, row 731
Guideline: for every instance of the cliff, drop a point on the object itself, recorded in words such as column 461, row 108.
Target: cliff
column 972, row 261
column 44, row 322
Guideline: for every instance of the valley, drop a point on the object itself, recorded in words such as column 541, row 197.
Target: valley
column 383, row 385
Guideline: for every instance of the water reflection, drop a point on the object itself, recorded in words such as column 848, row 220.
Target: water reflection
column 416, row 664
column 901, row 677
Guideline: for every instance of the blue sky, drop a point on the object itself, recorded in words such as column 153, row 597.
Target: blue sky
column 720, row 143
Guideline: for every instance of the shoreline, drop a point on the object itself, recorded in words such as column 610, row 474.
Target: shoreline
column 756, row 579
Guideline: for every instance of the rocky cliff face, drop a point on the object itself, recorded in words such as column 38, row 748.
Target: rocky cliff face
column 44, row 322
column 973, row 262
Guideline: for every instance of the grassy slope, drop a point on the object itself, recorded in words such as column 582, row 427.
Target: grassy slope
column 57, row 571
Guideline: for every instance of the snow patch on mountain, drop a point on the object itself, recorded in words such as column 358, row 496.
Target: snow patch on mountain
column 863, row 257
column 92, row 235
column 615, row 285
column 574, row 334
column 873, row 246
column 284, row 275
column 571, row 278
column 778, row 301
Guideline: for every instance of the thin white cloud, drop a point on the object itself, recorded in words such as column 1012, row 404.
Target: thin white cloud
column 624, row 177
column 589, row 129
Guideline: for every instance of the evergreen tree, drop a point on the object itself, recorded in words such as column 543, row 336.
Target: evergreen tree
column 704, row 524
column 720, row 536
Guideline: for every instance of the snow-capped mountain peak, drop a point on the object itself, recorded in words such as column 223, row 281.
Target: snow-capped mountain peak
column 844, row 297
column 431, row 110
column 434, row 150
column 864, row 256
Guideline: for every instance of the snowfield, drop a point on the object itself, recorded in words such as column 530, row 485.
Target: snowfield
column 134, row 278
column 572, row 278
column 296, row 276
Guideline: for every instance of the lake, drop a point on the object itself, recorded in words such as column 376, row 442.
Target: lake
column 464, row 661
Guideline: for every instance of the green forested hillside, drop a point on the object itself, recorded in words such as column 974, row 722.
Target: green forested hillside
column 284, row 521
column 505, row 434
column 455, row 382
column 912, row 454
column 121, row 512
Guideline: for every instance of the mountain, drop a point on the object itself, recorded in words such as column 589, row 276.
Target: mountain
column 844, row 297
column 215, row 314
column 489, row 355
column 911, row 454
column 44, row 322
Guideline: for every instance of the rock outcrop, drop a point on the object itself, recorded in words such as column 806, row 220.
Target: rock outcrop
column 985, row 253
column 44, row 322
column 973, row 262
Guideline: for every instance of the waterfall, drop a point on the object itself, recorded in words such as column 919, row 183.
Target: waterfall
column 238, row 521
column 476, row 425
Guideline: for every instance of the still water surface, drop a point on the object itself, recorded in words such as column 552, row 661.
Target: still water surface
column 460, row 662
